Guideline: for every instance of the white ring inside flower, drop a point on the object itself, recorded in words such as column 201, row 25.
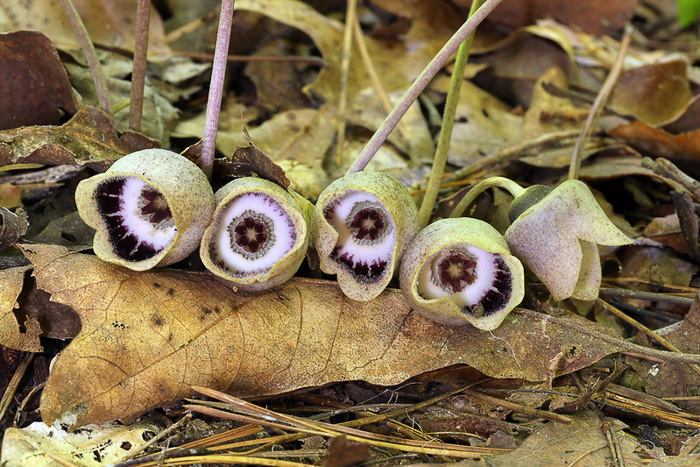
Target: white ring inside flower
column 430, row 286
column 364, row 251
column 281, row 238
column 156, row 234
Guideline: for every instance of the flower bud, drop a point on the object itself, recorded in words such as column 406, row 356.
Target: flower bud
column 557, row 237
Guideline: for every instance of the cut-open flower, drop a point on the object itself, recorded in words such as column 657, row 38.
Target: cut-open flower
column 149, row 209
column 259, row 234
column 361, row 225
column 557, row 238
column 459, row 271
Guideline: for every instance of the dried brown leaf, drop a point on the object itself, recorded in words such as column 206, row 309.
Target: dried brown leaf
column 34, row 83
column 653, row 93
column 659, row 142
column 583, row 443
column 596, row 17
column 671, row 379
column 12, row 227
column 147, row 337
column 11, row 335
column 109, row 22
column 89, row 138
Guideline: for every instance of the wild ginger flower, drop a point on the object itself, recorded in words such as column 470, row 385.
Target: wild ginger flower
column 149, row 209
column 556, row 237
column 459, row 271
column 258, row 236
column 361, row 226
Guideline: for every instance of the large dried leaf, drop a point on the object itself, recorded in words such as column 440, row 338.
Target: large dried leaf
column 147, row 337
column 653, row 93
column 34, row 83
column 593, row 16
column 90, row 137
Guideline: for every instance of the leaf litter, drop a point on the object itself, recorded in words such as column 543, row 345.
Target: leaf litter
column 132, row 344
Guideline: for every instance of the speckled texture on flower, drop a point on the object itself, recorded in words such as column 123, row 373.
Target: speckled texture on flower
column 557, row 240
column 259, row 235
column 163, row 192
column 494, row 285
column 361, row 225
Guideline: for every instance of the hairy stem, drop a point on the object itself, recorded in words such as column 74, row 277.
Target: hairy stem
column 419, row 84
column 88, row 47
column 491, row 182
column 216, row 86
column 448, row 120
column 138, row 75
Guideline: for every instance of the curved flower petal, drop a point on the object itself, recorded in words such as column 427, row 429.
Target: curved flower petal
column 459, row 271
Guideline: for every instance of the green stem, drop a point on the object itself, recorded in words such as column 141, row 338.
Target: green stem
column 491, row 182
column 88, row 47
column 418, row 85
column 448, row 120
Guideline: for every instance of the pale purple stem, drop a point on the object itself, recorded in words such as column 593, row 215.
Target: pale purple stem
column 418, row 85
column 88, row 47
column 216, row 86
column 138, row 75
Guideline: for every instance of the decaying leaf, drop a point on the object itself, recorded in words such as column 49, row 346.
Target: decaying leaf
column 653, row 93
column 92, row 446
column 669, row 379
column 595, row 16
column 147, row 337
column 658, row 141
column 250, row 160
column 12, row 227
column 109, row 22
column 11, row 335
column 583, row 443
column 90, row 137
column 34, row 83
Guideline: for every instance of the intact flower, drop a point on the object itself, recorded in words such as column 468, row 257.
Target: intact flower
column 556, row 237
column 459, row 271
column 361, row 226
column 149, row 209
column 258, row 236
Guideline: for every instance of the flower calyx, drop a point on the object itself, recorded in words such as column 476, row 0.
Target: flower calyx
column 458, row 271
column 258, row 236
column 557, row 237
column 149, row 209
column 361, row 225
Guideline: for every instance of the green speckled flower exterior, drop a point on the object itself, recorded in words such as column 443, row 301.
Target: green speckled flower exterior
column 295, row 206
column 457, row 234
column 397, row 201
column 184, row 186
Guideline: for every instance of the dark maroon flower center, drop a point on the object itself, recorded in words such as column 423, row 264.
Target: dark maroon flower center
column 367, row 223
column 456, row 271
column 155, row 207
column 251, row 234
